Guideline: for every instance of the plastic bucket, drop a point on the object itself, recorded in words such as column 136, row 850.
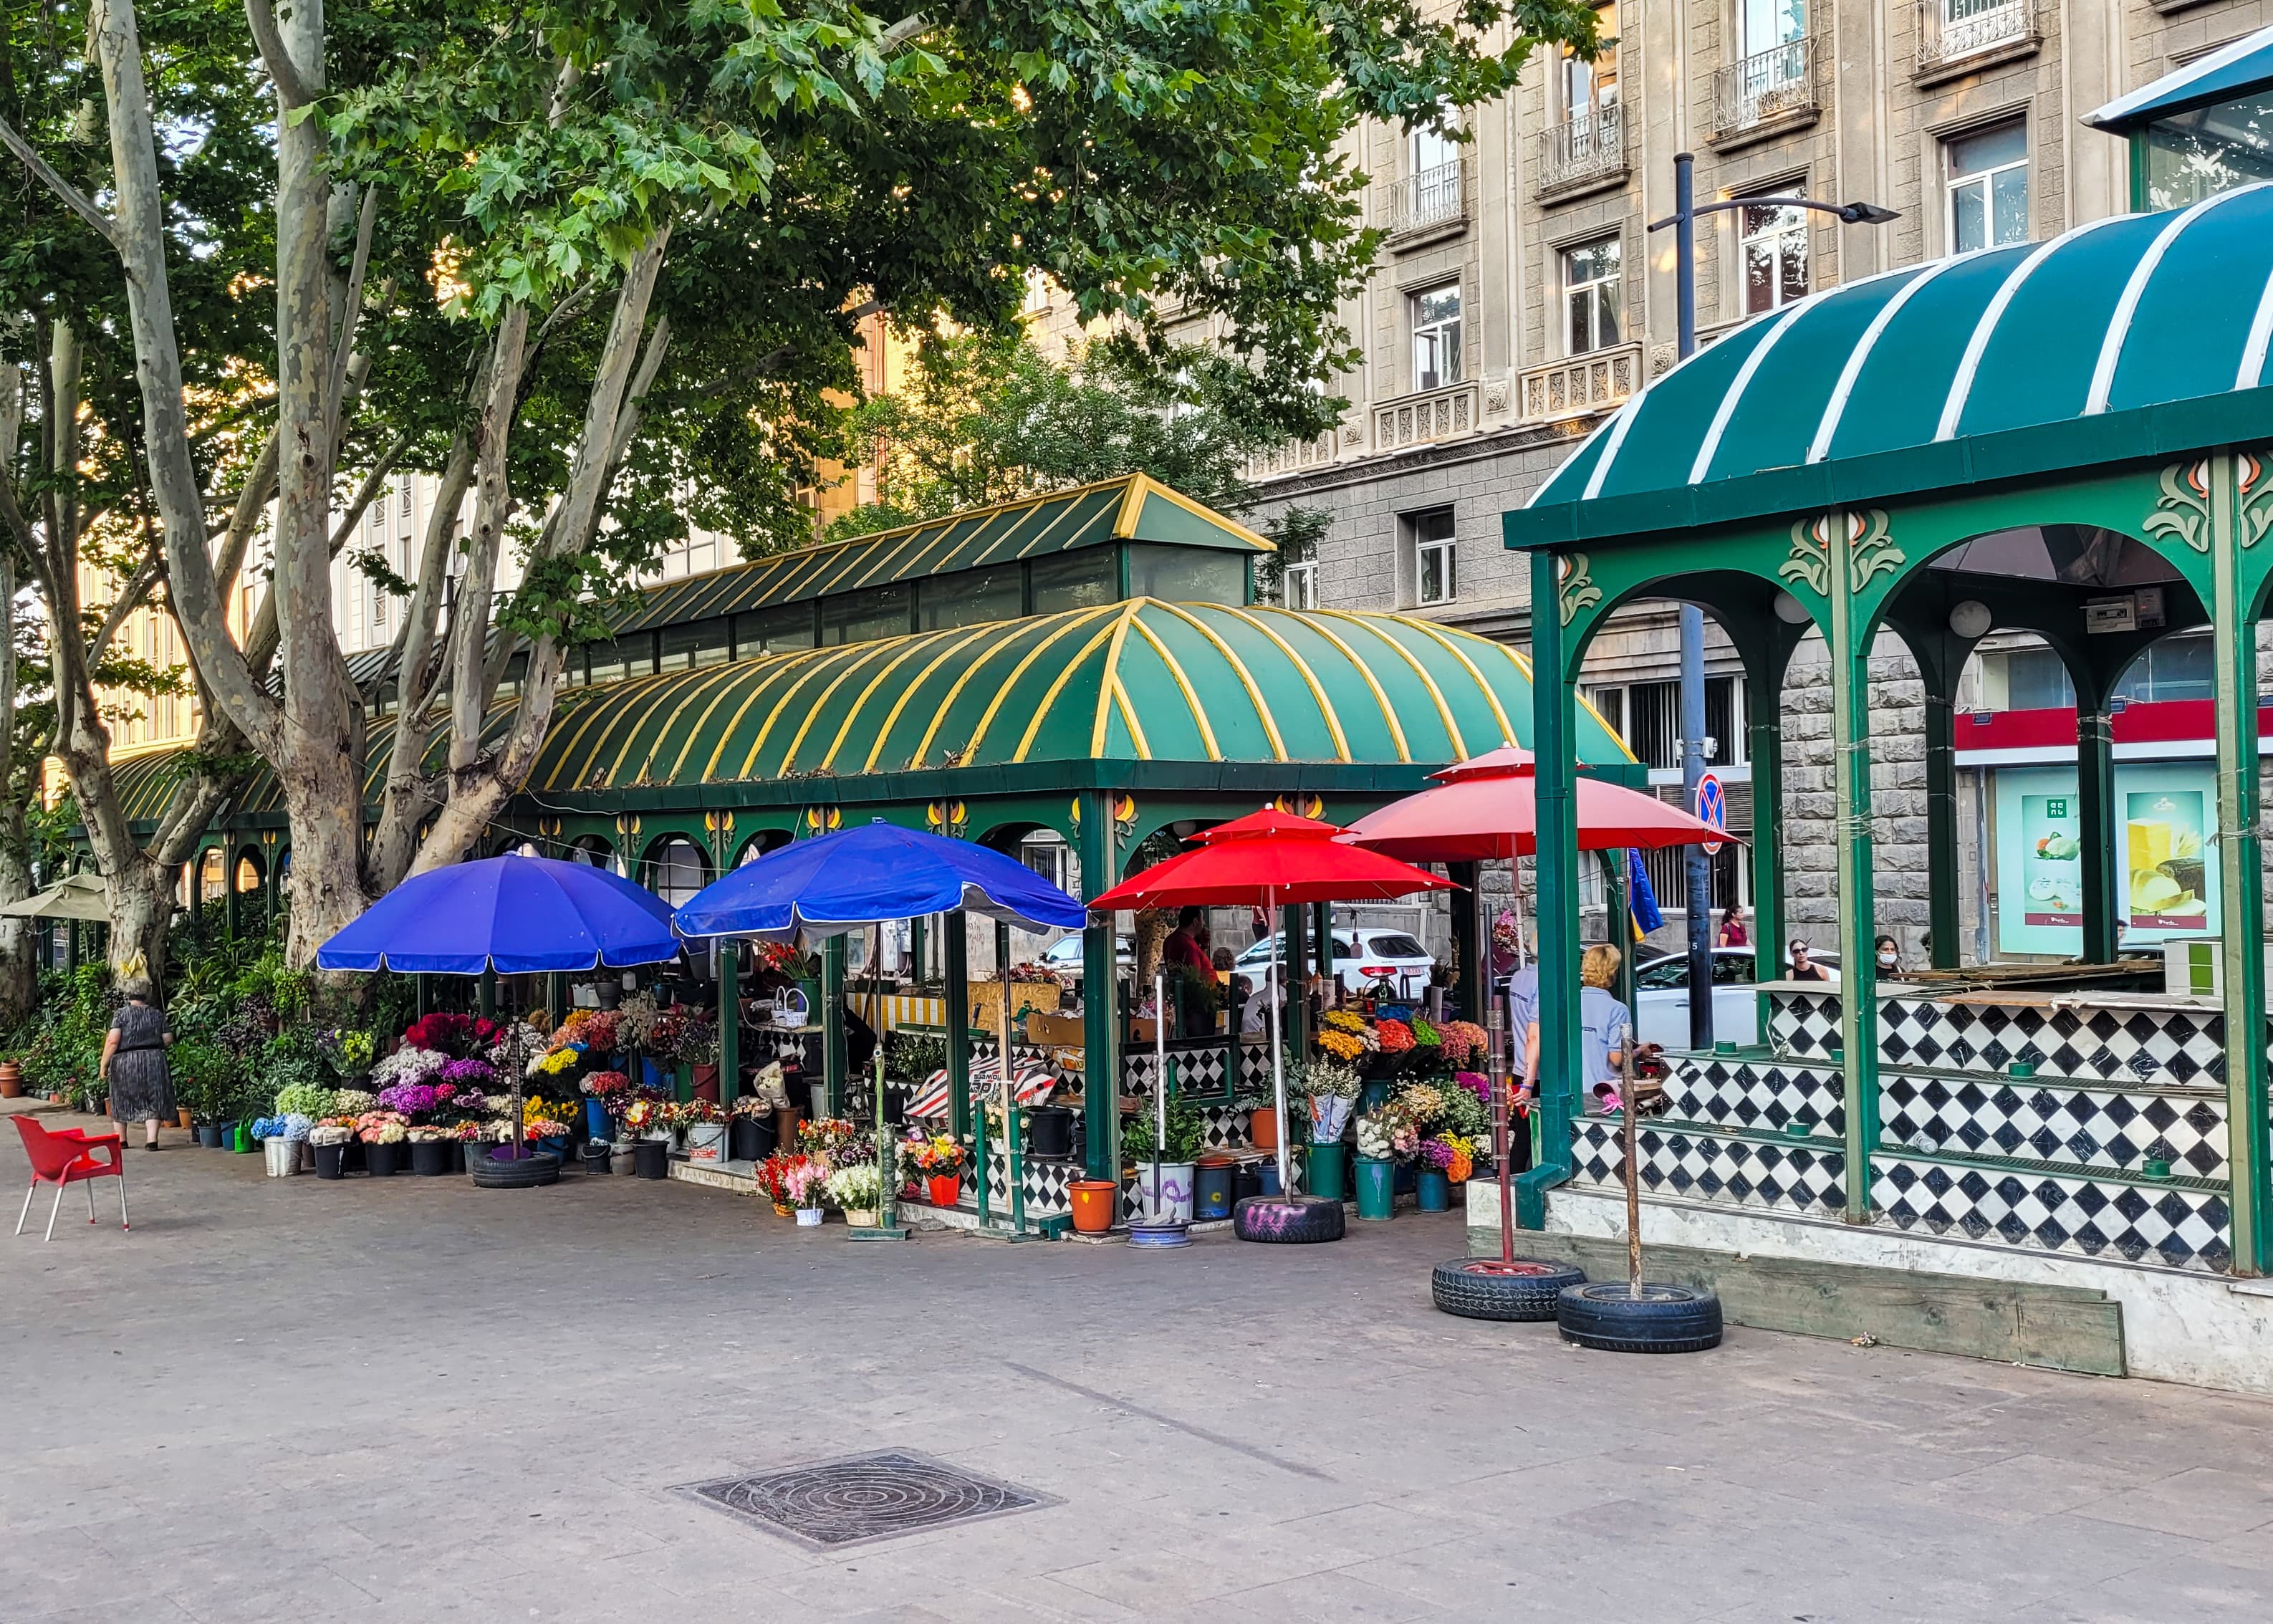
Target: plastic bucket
column 283, row 1156
column 706, row 1141
column 1093, row 1200
column 432, row 1158
column 1323, row 1171
column 328, row 1158
column 750, row 1139
column 1432, row 1190
column 382, row 1160
column 651, row 1159
column 1212, row 1190
column 596, row 1122
column 1377, row 1187
column 1049, row 1132
column 808, row 1217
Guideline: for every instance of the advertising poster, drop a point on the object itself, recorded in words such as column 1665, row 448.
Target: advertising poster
column 2165, row 875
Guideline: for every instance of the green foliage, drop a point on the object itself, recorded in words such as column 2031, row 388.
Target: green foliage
column 987, row 418
column 911, row 1056
column 206, row 1077
column 1187, row 1131
column 1296, row 534
column 66, row 1043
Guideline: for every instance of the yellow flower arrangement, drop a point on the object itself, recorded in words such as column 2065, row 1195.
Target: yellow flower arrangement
column 1344, row 1046
column 1343, row 1020
column 559, row 1061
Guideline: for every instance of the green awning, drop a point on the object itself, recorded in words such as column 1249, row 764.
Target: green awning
column 2232, row 70
column 1141, row 682
column 2128, row 337
column 1130, row 509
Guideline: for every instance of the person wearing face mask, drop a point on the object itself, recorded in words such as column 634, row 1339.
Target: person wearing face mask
column 1890, row 958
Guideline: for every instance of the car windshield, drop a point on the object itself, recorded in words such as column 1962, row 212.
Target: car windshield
column 1260, row 954
column 1391, row 945
column 1664, row 973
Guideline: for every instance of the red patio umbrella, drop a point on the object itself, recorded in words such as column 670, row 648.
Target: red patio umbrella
column 1273, row 858
column 1488, row 807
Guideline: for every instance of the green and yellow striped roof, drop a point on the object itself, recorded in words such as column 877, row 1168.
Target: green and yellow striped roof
column 1133, row 507
column 1141, row 682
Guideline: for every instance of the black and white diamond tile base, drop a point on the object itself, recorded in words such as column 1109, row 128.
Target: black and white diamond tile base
column 1707, row 1167
column 1735, row 1094
column 2115, row 1046
column 2055, row 1122
column 1047, row 1195
column 863, row 1499
column 1200, row 1063
column 2081, row 1216
column 1804, row 1024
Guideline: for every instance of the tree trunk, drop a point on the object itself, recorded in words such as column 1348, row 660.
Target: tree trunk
column 20, row 966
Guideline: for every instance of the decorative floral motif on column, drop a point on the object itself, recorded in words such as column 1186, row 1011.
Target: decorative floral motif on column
column 1870, row 550
column 1576, row 588
column 2253, row 486
column 948, row 818
column 2182, row 512
column 1124, row 813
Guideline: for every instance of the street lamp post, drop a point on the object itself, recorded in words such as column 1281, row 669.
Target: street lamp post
column 1698, row 866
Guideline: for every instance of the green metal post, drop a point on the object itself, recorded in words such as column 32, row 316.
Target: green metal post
column 979, row 1163
column 832, row 1022
column 2242, row 875
column 1100, row 971
column 1555, row 725
column 1467, row 937
column 1618, row 919
column 1014, row 1125
column 730, row 1023
column 1768, row 838
column 2097, row 828
column 425, row 996
column 488, row 1003
column 232, row 911
column 71, row 949
column 1322, row 934
column 916, row 934
column 1941, row 817
column 1858, row 969
column 955, row 967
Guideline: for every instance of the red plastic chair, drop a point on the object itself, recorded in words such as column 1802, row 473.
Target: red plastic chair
column 66, row 1157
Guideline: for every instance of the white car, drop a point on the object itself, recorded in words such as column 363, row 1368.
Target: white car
column 1661, row 990
column 1064, row 957
column 1361, row 958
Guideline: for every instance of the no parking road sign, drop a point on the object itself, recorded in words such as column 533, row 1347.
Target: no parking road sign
column 1712, row 808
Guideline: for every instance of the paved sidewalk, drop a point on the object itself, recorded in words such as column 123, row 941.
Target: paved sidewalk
column 409, row 1400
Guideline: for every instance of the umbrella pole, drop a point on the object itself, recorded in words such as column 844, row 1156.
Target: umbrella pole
column 1634, row 1179
column 1278, row 1064
column 1013, row 1156
column 1160, row 1080
column 1503, row 1084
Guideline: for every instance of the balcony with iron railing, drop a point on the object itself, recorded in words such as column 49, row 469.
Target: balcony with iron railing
column 1432, row 200
column 1594, row 380
column 1957, row 37
column 1767, row 92
column 1585, row 151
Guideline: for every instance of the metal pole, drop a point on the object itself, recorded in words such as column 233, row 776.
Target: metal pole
column 1501, row 1082
column 1633, row 1174
column 1698, row 866
column 1160, row 1082
column 1278, row 1064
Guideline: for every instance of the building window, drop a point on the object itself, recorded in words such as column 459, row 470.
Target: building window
column 1773, row 249
column 1303, row 586
column 1591, row 87
column 1768, row 24
column 1431, row 150
column 1433, row 577
column 1590, row 294
column 405, row 498
column 1988, row 187
column 1436, row 337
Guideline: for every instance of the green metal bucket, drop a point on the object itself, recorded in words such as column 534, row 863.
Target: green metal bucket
column 1323, row 1166
column 1377, row 1187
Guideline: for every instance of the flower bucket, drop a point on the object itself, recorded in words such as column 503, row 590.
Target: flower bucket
column 1165, row 1189
column 706, row 1141
column 653, row 1075
column 651, row 1159
column 328, row 1160
column 283, row 1156
column 1049, row 1134
column 861, row 1217
column 750, row 1139
column 597, row 1124
column 1432, row 1190
column 224, row 1136
column 808, row 1217
column 946, row 1191
column 1212, row 1190
column 1093, row 1200
column 432, row 1158
column 1323, row 1171
column 1263, row 1128
column 381, row 1160
column 209, row 1135
column 706, row 1083
column 1377, row 1187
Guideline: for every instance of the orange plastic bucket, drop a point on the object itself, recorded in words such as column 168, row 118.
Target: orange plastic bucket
column 1092, row 1204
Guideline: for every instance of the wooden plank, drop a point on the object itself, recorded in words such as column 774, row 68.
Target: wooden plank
column 2062, row 1327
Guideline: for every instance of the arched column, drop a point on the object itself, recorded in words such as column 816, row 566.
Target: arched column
column 1100, row 971
column 1555, row 721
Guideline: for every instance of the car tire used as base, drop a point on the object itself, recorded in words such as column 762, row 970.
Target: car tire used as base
column 526, row 1173
column 1282, row 1221
column 1527, row 1289
column 1664, row 1319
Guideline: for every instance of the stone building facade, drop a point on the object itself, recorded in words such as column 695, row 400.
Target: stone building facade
column 1520, row 297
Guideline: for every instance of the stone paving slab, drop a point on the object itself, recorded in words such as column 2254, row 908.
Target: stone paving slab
column 410, row 1400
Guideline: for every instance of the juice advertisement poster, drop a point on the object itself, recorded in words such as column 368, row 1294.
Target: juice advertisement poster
column 2051, row 876
column 2167, row 878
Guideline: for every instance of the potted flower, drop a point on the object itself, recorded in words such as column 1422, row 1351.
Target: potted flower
column 1166, row 1167
column 704, row 1125
column 802, row 1187
column 750, row 1135
column 1376, row 1166
column 938, row 1161
column 383, row 1133
column 772, row 1177
column 859, row 1191
column 1332, row 1090
column 433, row 1150
column 1393, row 1043
column 605, row 1092
column 329, row 1141
column 833, row 1140
column 1464, row 1041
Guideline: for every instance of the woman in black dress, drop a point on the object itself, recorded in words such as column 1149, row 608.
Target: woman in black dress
column 134, row 1064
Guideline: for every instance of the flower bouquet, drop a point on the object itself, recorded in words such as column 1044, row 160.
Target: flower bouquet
column 831, row 1140
column 1464, row 1041
column 859, row 1191
column 381, row 1127
column 353, row 1102
column 938, row 1161
column 428, row 1133
column 801, row 1187
column 1394, row 1036
column 1453, row 1155
column 308, row 1100
column 609, row 1087
column 648, row 1119
column 772, row 1177
column 1334, row 1091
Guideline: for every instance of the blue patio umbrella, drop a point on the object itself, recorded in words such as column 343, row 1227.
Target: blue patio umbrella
column 869, row 875
column 510, row 914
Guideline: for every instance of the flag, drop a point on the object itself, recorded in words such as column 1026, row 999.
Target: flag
column 1641, row 900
